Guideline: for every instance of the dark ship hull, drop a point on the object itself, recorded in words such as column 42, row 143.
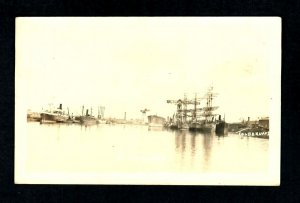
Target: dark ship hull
column 222, row 128
column 55, row 116
column 202, row 127
column 52, row 118
column 88, row 120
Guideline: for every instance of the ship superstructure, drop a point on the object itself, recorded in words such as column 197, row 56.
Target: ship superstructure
column 53, row 115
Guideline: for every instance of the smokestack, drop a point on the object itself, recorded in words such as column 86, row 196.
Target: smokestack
column 60, row 106
column 125, row 116
column 87, row 112
column 248, row 119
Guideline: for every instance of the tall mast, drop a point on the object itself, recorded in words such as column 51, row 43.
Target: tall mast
column 209, row 107
column 195, row 108
column 184, row 108
column 98, row 112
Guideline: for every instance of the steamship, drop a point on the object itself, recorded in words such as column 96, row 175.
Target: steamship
column 54, row 116
column 88, row 119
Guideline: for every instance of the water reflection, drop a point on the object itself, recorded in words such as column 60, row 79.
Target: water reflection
column 207, row 144
column 220, row 135
column 188, row 147
column 87, row 127
column 155, row 128
column 193, row 144
column 180, row 141
column 178, row 150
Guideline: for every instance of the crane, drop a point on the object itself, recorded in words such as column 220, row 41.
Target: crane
column 101, row 110
column 144, row 111
column 183, row 112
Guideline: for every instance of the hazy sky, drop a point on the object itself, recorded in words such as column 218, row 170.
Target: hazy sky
column 127, row 64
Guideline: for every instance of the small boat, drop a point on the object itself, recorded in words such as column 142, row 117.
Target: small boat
column 72, row 119
column 171, row 125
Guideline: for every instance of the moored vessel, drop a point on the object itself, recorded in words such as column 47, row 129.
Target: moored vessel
column 72, row 119
column 88, row 119
column 207, row 127
column 222, row 128
column 156, row 121
column 53, row 116
column 204, row 119
column 196, row 119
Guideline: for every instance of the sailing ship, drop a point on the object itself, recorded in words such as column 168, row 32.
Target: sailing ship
column 54, row 116
column 204, row 119
column 197, row 119
column 195, row 123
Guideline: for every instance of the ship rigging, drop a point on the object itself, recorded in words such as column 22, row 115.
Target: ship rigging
column 195, row 118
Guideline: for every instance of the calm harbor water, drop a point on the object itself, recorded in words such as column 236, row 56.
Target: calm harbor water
column 133, row 148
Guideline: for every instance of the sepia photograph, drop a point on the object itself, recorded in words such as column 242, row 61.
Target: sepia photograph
column 148, row 100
